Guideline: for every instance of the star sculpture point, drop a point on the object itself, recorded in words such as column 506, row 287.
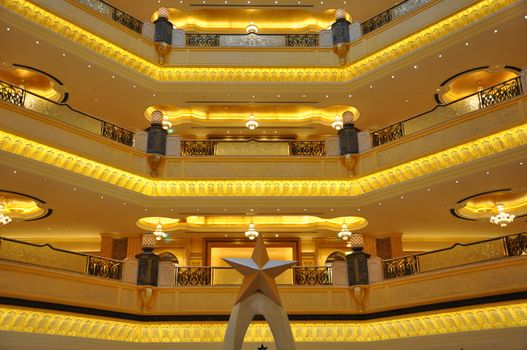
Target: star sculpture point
column 259, row 272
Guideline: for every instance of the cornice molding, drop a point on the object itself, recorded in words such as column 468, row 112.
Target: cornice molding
column 437, row 31
column 473, row 319
column 497, row 143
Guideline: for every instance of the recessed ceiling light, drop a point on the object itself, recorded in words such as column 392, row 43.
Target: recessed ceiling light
column 457, row 181
column 276, row 235
column 495, row 30
column 37, row 42
column 124, row 203
column 102, row 197
column 393, row 76
column 146, row 209
column 305, row 209
column 322, row 3
column 415, row 66
column 63, row 54
column 487, row 173
column 521, row 163
column 75, row 188
column 466, row 44
column 254, row 96
column 428, row 190
column 197, row 209
column 113, row 76
column 380, row 203
column 277, row 95
column 134, row 86
column 276, row 2
column 402, row 197
column 327, row 96
column 406, row 101
column 225, row 209
column 8, row 29
column 439, row 56
column 358, row 209
column 278, row 209
column 14, row 171
column 171, row 209
column 350, row 95
column 331, row 209
column 525, row 17
column 89, row 66
column 226, row 235
column 153, row 95
column 252, row 209
column 371, row 86
column 228, row 131
column 275, row 132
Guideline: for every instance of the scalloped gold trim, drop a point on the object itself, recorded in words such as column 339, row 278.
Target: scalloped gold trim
column 428, row 35
column 486, row 146
column 474, row 319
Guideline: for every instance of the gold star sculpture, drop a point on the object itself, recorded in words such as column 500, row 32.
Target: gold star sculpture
column 259, row 272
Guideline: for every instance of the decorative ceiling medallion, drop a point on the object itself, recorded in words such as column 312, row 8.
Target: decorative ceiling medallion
column 19, row 206
column 485, row 206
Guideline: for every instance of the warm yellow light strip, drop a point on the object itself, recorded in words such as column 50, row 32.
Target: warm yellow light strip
column 473, row 319
column 426, row 36
column 480, row 148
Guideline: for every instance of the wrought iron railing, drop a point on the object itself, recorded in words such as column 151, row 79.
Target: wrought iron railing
column 213, row 275
column 442, row 113
column 391, row 14
column 312, row 275
column 114, row 14
column 457, row 255
column 253, row 40
column 296, row 148
column 64, row 113
column 48, row 256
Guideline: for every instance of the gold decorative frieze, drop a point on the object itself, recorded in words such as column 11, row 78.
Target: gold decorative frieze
column 53, row 323
column 477, row 149
column 428, row 35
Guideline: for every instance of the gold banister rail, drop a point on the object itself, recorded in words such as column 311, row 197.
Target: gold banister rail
column 48, row 256
column 457, row 255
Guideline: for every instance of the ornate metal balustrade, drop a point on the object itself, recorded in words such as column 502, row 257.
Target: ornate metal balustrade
column 64, row 113
column 496, row 94
column 202, row 40
column 194, row 276
column 392, row 13
column 308, row 148
column 388, row 134
column 253, row 40
column 105, row 268
column 12, row 94
column 205, row 276
column 400, row 267
column 457, row 255
column 499, row 93
column 197, row 148
column 115, row 14
column 116, row 133
column 301, row 40
column 312, row 275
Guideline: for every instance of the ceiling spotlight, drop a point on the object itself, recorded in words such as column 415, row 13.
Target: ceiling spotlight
column 4, row 219
column 344, row 232
column 251, row 28
column 251, row 124
column 338, row 123
column 158, row 232
column 503, row 218
column 251, row 232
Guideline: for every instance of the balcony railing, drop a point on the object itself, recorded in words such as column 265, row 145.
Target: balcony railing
column 252, row 40
column 212, row 276
column 442, row 113
column 64, row 113
column 391, row 14
column 114, row 14
column 291, row 148
column 457, row 255
column 48, row 256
